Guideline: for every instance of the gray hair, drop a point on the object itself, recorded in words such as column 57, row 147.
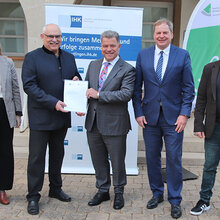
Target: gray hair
column 44, row 28
column 110, row 34
column 0, row 49
column 164, row 20
column 46, row 25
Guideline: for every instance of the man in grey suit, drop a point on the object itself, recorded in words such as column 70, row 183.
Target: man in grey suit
column 111, row 84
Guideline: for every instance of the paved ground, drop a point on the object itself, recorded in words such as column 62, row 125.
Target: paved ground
column 81, row 188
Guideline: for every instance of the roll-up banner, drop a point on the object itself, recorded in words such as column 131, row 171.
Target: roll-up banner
column 81, row 28
column 202, row 36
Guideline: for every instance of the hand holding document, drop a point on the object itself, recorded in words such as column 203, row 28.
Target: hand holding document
column 75, row 95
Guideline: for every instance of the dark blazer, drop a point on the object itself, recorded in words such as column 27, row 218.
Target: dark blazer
column 206, row 100
column 111, row 109
column 43, row 81
column 175, row 92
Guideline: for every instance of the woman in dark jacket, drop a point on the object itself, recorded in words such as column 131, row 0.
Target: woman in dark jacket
column 10, row 117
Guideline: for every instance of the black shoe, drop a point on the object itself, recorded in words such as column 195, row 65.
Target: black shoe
column 153, row 203
column 99, row 198
column 118, row 201
column 33, row 207
column 176, row 211
column 200, row 207
column 59, row 195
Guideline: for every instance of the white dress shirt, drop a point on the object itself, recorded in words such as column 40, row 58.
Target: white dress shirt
column 157, row 54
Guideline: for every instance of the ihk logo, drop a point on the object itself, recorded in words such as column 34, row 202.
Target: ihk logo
column 66, row 142
column 77, row 156
column 76, row 21
column 77, row 128
column 81, row 70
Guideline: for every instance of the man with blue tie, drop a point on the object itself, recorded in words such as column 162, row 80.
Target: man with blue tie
column 163, row 111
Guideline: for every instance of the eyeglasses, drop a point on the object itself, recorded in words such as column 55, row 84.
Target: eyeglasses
column 53, row 36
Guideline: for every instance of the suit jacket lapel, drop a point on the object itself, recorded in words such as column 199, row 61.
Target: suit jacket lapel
column 214, row 76
column 150, row 59
column 3, row 72
column 113, row 72
column 95, row 76
column 171, row 59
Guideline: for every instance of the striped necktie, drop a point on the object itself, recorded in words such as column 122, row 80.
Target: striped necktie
column 103, row 75
column 159, row 67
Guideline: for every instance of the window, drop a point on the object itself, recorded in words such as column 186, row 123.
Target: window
column 152, row 12
column 12, row 28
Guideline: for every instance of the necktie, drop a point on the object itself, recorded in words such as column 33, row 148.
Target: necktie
column 103, row 75
column 159, row 67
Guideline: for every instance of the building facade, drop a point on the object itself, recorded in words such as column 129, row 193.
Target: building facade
column 21, row 21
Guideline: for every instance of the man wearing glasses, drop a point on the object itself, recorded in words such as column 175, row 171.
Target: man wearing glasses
column 43, row 74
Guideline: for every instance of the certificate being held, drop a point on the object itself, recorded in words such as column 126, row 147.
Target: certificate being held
column 75, row 95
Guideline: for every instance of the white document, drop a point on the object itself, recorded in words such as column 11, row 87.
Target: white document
column 75, row 95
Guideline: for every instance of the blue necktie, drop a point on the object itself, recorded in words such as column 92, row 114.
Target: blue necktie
column 159, row 67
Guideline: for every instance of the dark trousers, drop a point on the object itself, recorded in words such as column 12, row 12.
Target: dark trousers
column 173, row 144
column 103, row 148
column 6, row 150
column 36, row 162
column 212, row 157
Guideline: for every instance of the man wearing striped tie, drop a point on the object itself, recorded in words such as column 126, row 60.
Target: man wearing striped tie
column 111, row 85
column 163, row 112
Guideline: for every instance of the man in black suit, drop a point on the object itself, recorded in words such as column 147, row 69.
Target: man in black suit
column 43, row 74
column 208, row 108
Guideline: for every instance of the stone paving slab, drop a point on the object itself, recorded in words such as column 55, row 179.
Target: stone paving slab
column 82, row 188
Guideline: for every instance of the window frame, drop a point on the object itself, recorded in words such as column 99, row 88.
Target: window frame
column 176, row 15
column 15, row 55
column 167, row 5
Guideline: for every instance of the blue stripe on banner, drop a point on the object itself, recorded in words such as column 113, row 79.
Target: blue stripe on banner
column 88, row 46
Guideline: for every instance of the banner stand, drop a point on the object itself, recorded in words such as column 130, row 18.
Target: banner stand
column 81, row 28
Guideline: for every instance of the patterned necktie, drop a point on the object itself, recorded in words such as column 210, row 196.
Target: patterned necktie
column 103, row 75
column 159, row 67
